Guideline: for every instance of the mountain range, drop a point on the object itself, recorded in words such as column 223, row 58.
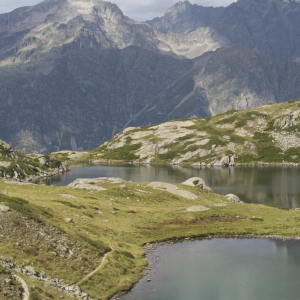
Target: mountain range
column 74, row 73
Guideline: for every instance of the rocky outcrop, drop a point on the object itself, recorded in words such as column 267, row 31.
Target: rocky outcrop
column 197, row 208
column 162, row 186
column 289, row 118
column 91, row 183
column 233, row 198
column 71, row 291
column 197, row 182
column 7, row 151
column 184, row 17
column 26, row 168
column 4, row 208
column 173, row 189
column 226, row 161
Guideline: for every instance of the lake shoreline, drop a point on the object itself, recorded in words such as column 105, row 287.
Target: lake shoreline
column 93, row 162
column 150, row 248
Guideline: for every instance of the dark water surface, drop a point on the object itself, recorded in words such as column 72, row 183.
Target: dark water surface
column 222, row 269
column 273, row 186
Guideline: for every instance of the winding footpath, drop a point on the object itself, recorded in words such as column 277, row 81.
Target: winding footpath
column 103, row 260
column 24, row 286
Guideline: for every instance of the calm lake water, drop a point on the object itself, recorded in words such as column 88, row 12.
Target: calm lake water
column 222, row 269
column 273, row 186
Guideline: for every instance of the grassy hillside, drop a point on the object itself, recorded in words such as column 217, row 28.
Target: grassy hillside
column 114, row 219
column 267, row 134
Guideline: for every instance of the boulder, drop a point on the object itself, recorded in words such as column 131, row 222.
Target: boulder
column 4, row 208
column 62, row 167
column 67, row 196
column 182, row 193
column 90, row 187
column 225, row 160
column 218, row 164
column 30, row 270
column 43, row 161
column 233, row 198
column 197, row 208
column 194, row 181
column 207, row 188
column 69, row 220
column 199, row 182
column 162, row 185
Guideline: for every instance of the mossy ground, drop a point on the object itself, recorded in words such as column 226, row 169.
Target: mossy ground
column 125, row 219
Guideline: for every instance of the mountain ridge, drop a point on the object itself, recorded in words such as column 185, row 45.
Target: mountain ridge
column 184, row 17
column 263, row 135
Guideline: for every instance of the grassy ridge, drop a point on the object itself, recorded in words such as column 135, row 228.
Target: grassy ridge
column 268, row 134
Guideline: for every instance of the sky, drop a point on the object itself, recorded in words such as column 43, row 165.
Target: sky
column 139, row 10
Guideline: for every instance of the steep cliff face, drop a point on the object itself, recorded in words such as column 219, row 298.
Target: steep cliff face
column 270, row 27
column 185, row 17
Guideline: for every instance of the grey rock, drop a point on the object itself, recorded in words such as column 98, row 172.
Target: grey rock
column 197, row 208
column 162, row 185
column 185, row 17
column 207, row 188
column 69, row 220
column 43, row 161
column 194, row 181
column 30, row 270
column 233, row 198
column 4, row 208
column 183, row 193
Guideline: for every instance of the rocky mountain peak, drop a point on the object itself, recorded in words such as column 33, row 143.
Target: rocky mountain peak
column 179, row 7
column 185, row 17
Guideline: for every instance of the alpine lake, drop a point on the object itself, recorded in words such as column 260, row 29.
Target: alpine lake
column 222, row 269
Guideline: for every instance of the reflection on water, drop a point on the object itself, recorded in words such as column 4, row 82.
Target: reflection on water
column 222, row 269
column 273, row 186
